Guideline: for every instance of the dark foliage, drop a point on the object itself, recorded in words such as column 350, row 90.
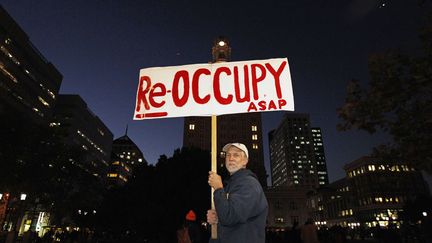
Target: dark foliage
column 398, row 102
column 155, row 203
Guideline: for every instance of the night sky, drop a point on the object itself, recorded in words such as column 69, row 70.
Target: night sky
column 100, row 46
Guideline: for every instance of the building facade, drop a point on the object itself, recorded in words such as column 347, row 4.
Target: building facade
column 373, row 193
column 297, row 153
column 126, row 157
column 320, row 158
column 82, row 128
column 29, row 84
column 243, row 128
column 286, row 206
column 381, row 189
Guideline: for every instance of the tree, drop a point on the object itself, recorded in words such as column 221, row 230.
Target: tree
column 155, row 202
column 398, row 102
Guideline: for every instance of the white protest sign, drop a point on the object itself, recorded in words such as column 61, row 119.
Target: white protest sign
column 214, row 89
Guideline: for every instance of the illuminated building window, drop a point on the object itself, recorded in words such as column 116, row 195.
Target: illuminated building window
column 255, row 146
column 7, row 73
column 112, row 175
column 254, row 128
column 140, row 160
column 279, row 220
column 43, row 101
column 191, row 126
column 116, row 163
column 254, row 137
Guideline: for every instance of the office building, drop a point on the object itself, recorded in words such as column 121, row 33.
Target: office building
column 80, row 127
column 29, row 83
column 297, row 153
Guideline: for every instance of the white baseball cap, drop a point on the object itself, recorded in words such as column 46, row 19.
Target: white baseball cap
column 240, row 146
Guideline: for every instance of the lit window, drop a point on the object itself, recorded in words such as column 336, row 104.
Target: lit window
column 7, row 73
column 43, row 101
column 191, row 126
column 255, row 146
column 254, row 137
column 254, row 128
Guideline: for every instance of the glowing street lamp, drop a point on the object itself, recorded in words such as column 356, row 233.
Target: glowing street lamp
column 424, row 214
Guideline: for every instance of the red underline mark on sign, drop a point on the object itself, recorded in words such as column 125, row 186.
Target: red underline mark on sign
column 155, row 114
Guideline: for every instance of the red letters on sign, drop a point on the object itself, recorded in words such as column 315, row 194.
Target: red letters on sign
column 216, row 86
column 246, row 97
column 155, row 93
column 276, row 75
column 143, row 88
column 256, row 79
column 184, row 75
column 195, row 86
column 252, row 85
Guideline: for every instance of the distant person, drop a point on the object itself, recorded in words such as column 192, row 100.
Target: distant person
column 193, row 228
column 309, row 233
column 190, row 232
column 241, row 206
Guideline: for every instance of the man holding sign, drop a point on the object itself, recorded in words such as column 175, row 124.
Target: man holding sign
column 218, row 89
column 240, row 206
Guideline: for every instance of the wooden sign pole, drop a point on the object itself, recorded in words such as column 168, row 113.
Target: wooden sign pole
column 213, row 166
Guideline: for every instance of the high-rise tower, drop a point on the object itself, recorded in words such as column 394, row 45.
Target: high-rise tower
column 297, row 153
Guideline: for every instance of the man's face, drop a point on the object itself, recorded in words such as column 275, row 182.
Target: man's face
column 235, row 159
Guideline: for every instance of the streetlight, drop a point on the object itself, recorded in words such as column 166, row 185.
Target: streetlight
column 424, row 214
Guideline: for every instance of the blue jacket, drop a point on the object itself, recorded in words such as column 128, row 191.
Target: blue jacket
column 242, row 208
